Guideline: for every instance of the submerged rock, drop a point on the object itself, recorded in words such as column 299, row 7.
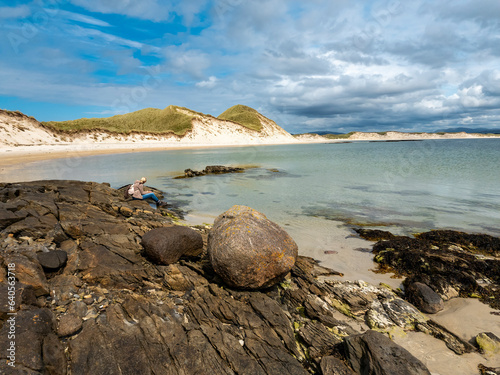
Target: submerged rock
column 249, row 251
column 211, row 169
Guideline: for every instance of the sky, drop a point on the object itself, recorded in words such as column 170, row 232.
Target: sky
column 320, row 65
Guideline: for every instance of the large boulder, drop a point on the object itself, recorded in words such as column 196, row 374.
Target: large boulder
column 249, row 251
column 374, row 353
column 166, row 245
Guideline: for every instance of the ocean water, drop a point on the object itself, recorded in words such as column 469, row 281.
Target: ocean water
column 317, row 191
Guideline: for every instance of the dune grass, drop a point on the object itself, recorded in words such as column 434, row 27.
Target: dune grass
column 149, row 120
column 243, row 115
column 338, row 136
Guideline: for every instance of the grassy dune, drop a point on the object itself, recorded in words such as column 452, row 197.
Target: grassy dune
column 150, row 120
column 173, row 119
column 242, row 115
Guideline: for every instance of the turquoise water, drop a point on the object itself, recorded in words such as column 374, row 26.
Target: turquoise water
column 402, row 186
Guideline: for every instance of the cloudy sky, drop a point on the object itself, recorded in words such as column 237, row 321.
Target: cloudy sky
column 316, row 65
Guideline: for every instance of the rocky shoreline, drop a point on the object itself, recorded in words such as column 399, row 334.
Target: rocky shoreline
column 88, row 300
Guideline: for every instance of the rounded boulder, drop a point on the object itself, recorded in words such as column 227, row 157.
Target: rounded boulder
column 249, row 251
column 168, row 244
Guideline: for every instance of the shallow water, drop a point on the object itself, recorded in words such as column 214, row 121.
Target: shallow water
column 312, row 190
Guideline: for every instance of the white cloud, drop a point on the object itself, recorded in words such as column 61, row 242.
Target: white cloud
column 21, row 11
column 152, row 10
column 83, row 18
column 208, row 84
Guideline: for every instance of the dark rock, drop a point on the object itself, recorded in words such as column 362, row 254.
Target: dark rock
column 29, row 273
column 211, row 169
column 53, row 354
column 31, row 327
column 374, row 234
column 8, row 217
column 452, row 341
column 24, row 295
column 53, row 260
column 249, row 251
column 488, row 370
column 68, row 325
column 374, row 353
column 167, row 245
column 424, row 298
column 333, row 366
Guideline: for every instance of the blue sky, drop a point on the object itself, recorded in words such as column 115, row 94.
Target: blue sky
column 318, row 65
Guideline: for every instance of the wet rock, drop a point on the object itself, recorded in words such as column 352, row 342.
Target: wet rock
column 374, row 353
column 249, row 251
column 167, row 245
column 424, row 298
column 211, row 169
column 374, row 234
column 53, row 260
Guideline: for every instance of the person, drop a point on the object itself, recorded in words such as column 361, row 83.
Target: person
column 139, row 192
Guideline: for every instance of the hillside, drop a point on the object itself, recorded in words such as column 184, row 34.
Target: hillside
column 243, row 115
column 150, row 127
column 176, row 120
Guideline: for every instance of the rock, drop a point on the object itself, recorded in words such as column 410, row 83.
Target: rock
column 53, row 260
column 53, row 354
column 448, row 262
column 249, row 251
column 333, row 366
column 29, row 273
column 210, row 169
column 167, row 245
column 31, row 327
column 424, row 298
column 489, row 343
column 69, row 324
column 374, row 234
column 488, row 370
column 374, row 353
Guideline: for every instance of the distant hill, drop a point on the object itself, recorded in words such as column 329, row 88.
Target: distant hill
column 470, row 130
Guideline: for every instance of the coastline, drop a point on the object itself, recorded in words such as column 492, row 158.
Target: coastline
column 21, row 154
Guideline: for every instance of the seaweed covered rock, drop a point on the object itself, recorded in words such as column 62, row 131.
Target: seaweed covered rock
column 167, row 245
column 249, row 251
column 211, row 169
column 451, row 263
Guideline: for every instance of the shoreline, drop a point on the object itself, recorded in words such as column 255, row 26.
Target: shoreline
column 15, row 155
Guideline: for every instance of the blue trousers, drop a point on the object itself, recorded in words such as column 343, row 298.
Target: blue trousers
column 150, row 195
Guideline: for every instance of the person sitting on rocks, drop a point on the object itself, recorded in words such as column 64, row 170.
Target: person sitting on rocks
column 139, row 193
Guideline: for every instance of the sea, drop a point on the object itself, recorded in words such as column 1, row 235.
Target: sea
column 317, row 192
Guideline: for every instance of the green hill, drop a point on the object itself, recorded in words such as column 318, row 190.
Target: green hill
column 150, row 120
column 242, row 115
